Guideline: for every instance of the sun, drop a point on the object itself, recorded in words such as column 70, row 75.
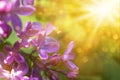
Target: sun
column 100, row 12
column 104, row 10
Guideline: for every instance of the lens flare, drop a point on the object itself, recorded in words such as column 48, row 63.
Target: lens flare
column 100, row 13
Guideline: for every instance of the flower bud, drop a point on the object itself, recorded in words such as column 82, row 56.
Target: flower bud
column 5, row 30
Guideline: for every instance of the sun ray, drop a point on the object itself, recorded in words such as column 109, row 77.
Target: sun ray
column 100, row 12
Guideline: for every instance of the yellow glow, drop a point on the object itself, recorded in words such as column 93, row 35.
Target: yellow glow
column 100, row 13
column 104, row 10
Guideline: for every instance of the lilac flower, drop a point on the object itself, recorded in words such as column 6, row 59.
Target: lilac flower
column 13, row 54
column 13, row 71
column 67, row 57
column 12, row 63
column 9, row 12
column 5, row 30
column 45, row 45
column 30, row 31
column 16, row 73
column 35, row 34
column 35, row 75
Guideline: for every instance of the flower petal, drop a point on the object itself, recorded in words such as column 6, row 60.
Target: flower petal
column 25, row 10
column 71, row 66
column 49, row 28
column 5, row 30
column 22, row 69
column 28, row 26
column 36, row 26
column 19, row 58
column 9, row 59
column 51, row 45
column 15, row 3
column 42, row 54
column 16, row 22
column 27, row 2
column 69, row 48
column 25, row 43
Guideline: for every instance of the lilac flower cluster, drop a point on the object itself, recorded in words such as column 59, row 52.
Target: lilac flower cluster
column 41, row 62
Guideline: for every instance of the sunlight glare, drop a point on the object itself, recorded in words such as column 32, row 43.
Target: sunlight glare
column 104, row 10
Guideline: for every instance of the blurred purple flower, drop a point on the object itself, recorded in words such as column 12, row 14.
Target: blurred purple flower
column 13, row 54
column 29, row 33
column 45, row 45
column 16, row 73
column 9, row 12
column 67, row 57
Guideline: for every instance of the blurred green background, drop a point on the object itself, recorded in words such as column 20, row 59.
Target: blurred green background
column 95, row 30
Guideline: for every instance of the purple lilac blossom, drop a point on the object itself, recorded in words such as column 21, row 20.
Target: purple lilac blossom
column 45, row 44
column 9, row 11
column 13, row 71
column 30, row 31
column 13, row 65
column 16, row 73
column 67, row 57
column 13, row 54
column 41, row 41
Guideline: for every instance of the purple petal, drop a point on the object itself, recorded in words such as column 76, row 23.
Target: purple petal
column 25, row 78
column 27, row 2
column 25, row 43
column 69, row 48
column 5, row 30
column 36, row 26
column 15, row 3
column 41, row 39
column 71, row 66
column 34, row 29
column 16, row 22
column 49, row 28
column 9, row 59
column 22, row 69
column 67, row 54
column 19, row 58
column 42, row 54
column 72, row 74
column 28, row 26
column 25, row 10
column 66, row 57
column 51, row 45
